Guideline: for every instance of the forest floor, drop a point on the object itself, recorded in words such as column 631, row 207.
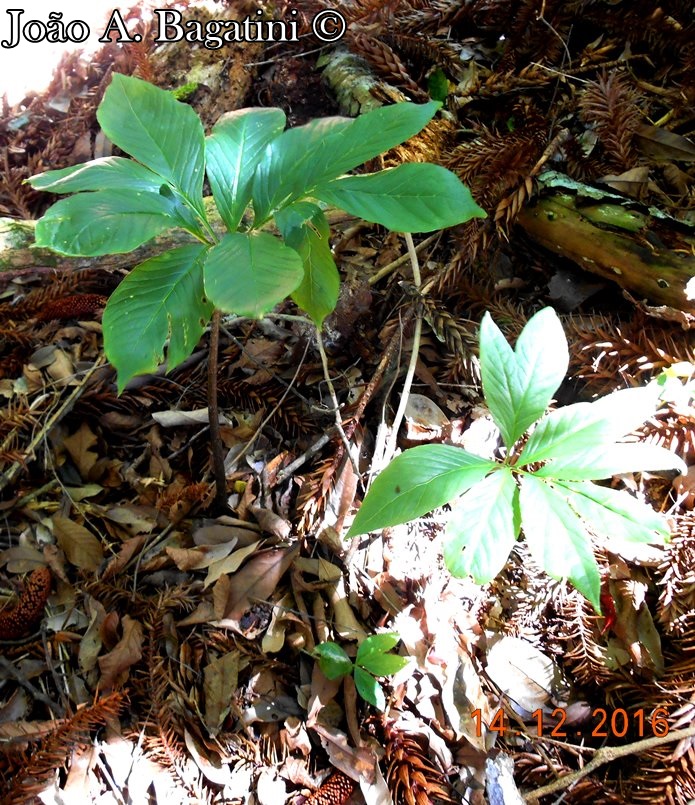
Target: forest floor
column 158, row 649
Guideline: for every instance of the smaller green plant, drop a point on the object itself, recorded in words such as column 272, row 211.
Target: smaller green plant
column 544, row 482
column 372, row 660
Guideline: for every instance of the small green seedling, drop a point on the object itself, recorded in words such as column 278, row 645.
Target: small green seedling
column 372, row 660
column 288, row 177
column 543, row 484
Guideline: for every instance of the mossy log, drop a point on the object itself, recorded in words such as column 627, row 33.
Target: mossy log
column 649, row 254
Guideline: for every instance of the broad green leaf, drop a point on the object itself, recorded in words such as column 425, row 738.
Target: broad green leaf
column 413, row 197
column 249, row 273
column 233, row 151
column 519, row 384
column 375, row 644
column 419, row 480
column 333, row 661
column 604, row 461
column 483, row 527
column 104, row 222
column 107, row 173
column 557, row 538
column 306, row 156
column 162, row 298
column 305, row 229
column 384, row 664
column 614, row 514
column 573, row 430
column 160, row 132
column 369, row 689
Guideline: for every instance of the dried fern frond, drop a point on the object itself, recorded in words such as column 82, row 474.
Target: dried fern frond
column 610, row 104
column 676, row 608
column 493, row 164
column 386, row 63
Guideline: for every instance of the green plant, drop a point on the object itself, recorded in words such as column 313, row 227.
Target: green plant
column 372, row 660
column 543, row 483
column 288, row 176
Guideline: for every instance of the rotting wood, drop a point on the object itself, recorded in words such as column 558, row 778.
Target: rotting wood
column 651, row 256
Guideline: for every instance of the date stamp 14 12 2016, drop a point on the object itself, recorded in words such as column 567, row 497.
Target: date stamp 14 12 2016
column 618, row 723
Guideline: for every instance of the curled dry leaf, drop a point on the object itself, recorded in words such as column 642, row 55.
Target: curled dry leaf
column 114, row 665
column 256, row 581
column 357, row 763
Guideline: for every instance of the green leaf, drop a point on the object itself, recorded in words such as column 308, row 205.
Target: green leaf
column 306, row 230
column 384, row 664
column 249, row 273
column 376, row 644
column 604, row 461
column 107, row 173
column 369, row 689
column 162, row 298
column 104, row 222
column 483, row 527
column 333, row 661
column 519, row 384
column 556, row 537
column 568, row 433
column 306, row 156
column 233, row 151
column 165, row 135
column 419, row 480
column 614, row 514
column 413, row 197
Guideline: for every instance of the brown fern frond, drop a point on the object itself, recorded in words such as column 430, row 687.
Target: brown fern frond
column 494, row 163
column 38, row 765
column 313, row 495
column 425, row 51
column 676, row 608
column 386, row 63
column 611, row 104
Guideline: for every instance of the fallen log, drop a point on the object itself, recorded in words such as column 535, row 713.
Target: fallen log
column 648, row 253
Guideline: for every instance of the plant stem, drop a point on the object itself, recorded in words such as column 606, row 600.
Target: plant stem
column 410, row 374
column 214, row 416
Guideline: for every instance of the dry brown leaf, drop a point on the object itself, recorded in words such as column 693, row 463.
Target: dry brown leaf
column 127, row 551
column 270, row 522
column 229, row 564
column 356, row 763
column 198, row 558
column 323, row 692
column 135, row 519
column 79, row 447
column 114, row 665
column 255, row 582
column 220, row 681
column 79, row 545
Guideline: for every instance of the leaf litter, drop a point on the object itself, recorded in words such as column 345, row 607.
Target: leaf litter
column 170, row 658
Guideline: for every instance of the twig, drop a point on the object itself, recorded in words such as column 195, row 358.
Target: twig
column 394, row 264
column 606, row 755
column 10, row 668
column 8, row 477
column 334, row 399
column 214, row 416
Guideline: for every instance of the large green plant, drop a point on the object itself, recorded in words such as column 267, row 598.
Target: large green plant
column 288, row 176
column 544, row 483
